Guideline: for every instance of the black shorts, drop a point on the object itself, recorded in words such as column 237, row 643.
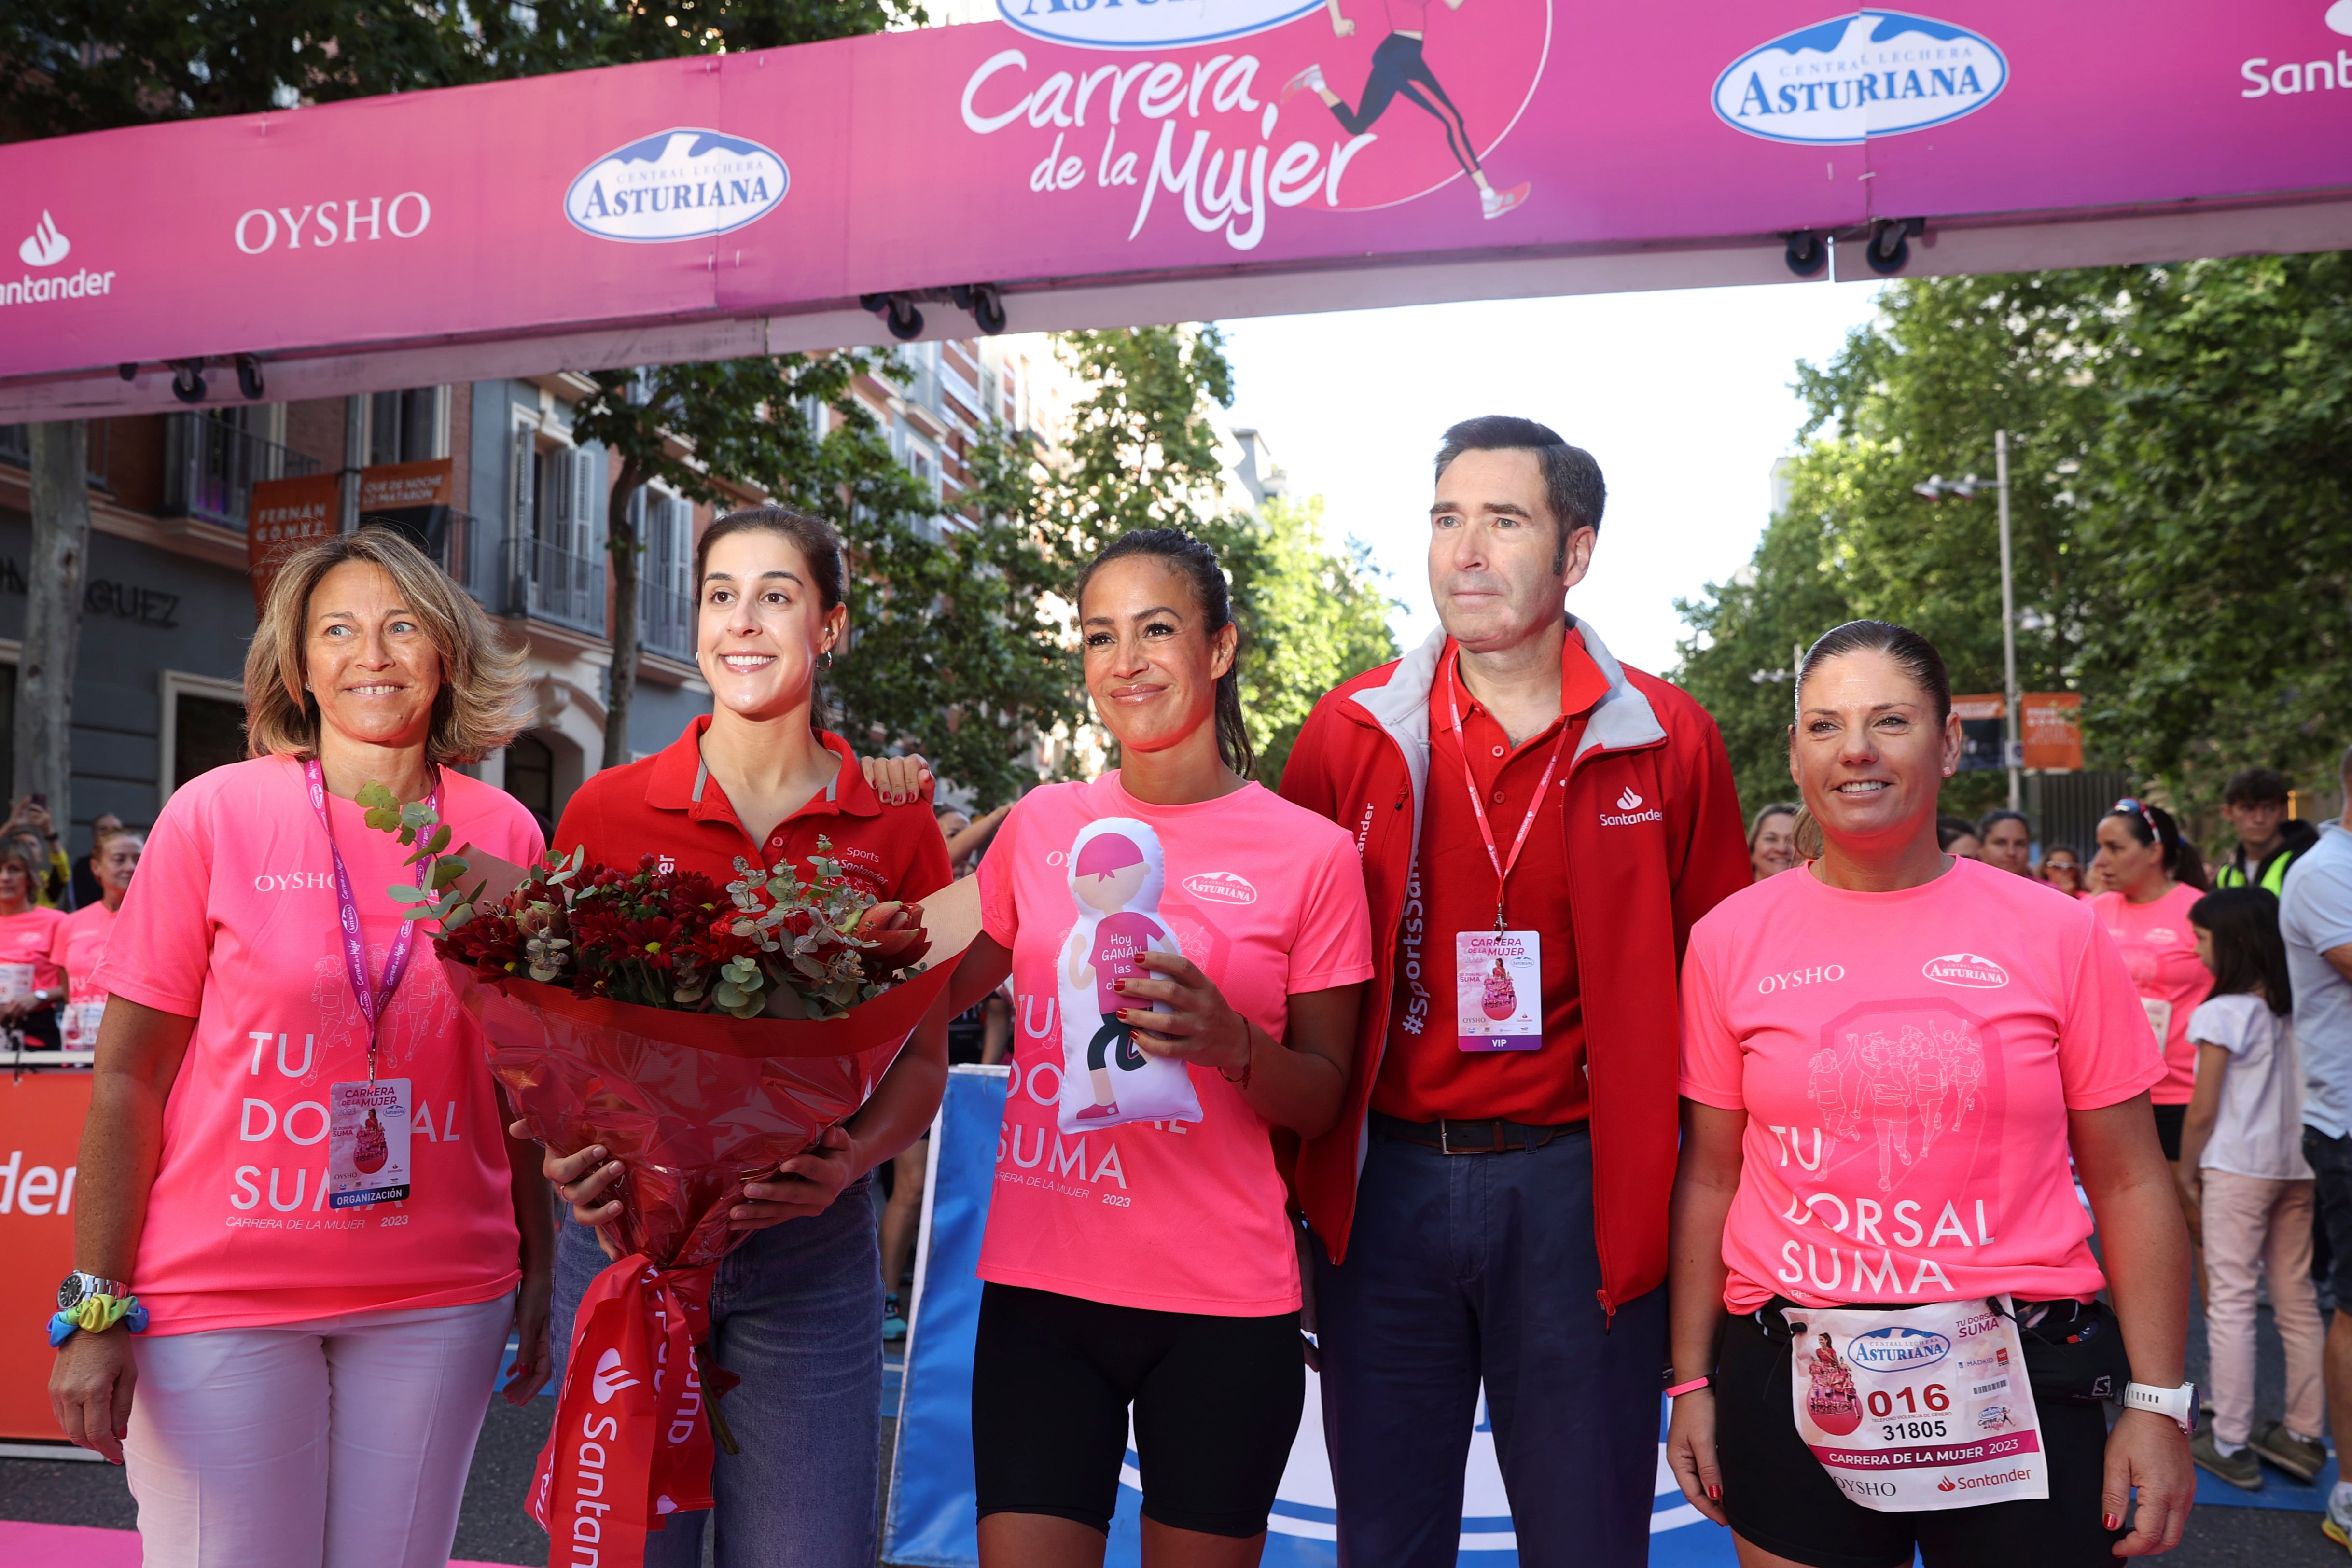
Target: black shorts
column 2330, row 1160
column 1217, row 1402
column 1777, row 1495
column 2170, row 1119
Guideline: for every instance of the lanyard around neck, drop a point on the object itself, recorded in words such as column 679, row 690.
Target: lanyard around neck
column 1502, row 863
column 372, row 1001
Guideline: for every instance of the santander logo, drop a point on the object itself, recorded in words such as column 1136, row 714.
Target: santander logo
column 1629, row 800
column 1973, row 970
column 1629, row 811
column 612, row 1376
column 45, row 247
column 1221, row 888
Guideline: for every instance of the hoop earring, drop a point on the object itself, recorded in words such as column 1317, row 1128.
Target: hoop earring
column 828, row 660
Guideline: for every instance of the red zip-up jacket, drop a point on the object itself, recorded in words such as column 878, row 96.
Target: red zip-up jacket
column 1651, row 827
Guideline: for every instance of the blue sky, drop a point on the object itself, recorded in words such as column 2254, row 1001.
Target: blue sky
column 1683, row 397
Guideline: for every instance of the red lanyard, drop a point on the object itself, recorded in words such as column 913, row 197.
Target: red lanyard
column 1478, row 802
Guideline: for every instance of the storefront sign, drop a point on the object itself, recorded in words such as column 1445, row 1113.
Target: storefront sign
column 283, row 515
column 2052, row 722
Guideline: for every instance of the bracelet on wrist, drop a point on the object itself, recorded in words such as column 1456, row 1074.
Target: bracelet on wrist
column 1249, row 1057
column 96, row 1315
column 1703, row 1381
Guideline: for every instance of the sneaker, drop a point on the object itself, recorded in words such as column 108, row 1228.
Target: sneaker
column 894, row 1321
column 2334, row 1532
column 2297, row 1456
column 1309, row 81
column 1099, row 1113
column 2241, row 1469
column 1495, row 203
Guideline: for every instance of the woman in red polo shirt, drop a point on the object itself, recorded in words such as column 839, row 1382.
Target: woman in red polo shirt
column 796, row 1310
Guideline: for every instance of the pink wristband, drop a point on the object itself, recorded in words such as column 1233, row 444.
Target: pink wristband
column 1695, row 1384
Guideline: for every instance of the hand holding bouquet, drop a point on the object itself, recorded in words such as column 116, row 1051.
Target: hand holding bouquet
column 704, row 1035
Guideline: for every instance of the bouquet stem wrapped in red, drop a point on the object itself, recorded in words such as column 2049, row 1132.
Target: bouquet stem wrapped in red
column 704, row 1037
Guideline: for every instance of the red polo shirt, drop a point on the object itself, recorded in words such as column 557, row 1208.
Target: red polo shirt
column 668, row 805
column 1423, row 1074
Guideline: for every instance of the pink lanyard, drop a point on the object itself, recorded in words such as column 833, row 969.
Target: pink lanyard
column 1477, row 802
column 396, row 964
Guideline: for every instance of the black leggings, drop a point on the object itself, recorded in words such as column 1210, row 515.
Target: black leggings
column 1216, row 1400
column 1397, row 71
column 1130, row 1057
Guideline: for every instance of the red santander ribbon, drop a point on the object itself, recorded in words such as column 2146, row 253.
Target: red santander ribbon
column 631, row 1444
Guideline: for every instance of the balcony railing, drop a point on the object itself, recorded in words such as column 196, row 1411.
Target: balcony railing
column 666, row 621
column 17, row 447
column 554, row 585
column 210, row 468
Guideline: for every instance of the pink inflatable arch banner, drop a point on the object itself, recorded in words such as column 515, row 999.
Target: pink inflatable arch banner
column 1092, row 162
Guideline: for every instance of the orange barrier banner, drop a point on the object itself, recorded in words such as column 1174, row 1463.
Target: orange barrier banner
column 41, row 1115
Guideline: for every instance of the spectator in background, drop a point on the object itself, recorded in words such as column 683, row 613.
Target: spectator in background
column 2316, row 919
column 30, row 985
column 29, row 816
column 1772, row 839
column 1958, row 836
column 2256, row 802
column 79, row 943
column 2062, row 868
column 2008, row 842
column 88, row 885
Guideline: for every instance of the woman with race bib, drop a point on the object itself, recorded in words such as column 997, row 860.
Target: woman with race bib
column 1188, row 952
column 1886, row 1335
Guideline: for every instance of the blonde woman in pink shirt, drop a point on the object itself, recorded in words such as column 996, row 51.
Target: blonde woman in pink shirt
column 301, row 1236
column 1927, row 1269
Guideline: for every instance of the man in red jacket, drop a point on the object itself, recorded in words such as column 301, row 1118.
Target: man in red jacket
column 1539, row 827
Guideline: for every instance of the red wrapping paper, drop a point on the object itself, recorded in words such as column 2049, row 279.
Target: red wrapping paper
column 695, row 1106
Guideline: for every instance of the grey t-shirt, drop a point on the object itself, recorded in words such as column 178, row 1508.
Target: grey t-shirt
column 2315, row 915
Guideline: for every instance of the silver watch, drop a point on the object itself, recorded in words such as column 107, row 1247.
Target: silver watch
column 79, row 1287
column 2180, row 1403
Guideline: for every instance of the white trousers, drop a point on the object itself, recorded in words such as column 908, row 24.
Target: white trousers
column 339, row 1443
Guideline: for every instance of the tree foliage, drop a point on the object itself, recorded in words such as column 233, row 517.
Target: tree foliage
column 1311, row 618
column 2179, row 457
column 98, row 64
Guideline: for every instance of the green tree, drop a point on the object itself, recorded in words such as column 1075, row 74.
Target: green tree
column 1311, row 617
column 2217, row 533
column 1916, row 395
column 98, row 64
column 2182, row 476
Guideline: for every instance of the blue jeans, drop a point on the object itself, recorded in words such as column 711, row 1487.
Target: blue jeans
column 796, row 1314
column 1470, row 1267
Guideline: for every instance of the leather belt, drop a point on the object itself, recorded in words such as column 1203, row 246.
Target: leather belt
column 1486, row 1136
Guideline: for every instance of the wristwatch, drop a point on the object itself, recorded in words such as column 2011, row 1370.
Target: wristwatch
column 79, row 1287
column 2180, row 1403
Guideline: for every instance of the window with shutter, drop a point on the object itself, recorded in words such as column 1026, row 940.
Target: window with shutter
column 585, row 466
column 523, row 521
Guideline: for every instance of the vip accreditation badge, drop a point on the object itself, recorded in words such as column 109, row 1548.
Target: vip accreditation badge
column 1498, row 990
column 367, row 1142
column 1919, row 1408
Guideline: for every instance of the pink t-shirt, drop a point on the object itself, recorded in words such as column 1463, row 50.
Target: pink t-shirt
column 1118, row 939
column 1906, row 1061
column 77, row 947
column 25, row 940
column 1269, row 899
column 232, row 921
column 2161, row 954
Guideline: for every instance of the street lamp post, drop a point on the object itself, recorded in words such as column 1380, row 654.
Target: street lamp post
column 1935, row 488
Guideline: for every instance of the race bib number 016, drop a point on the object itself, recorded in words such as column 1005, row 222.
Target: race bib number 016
column 1921, row 1408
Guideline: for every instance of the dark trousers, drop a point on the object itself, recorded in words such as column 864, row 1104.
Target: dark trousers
column 1398, row 71
column 1464, row 1267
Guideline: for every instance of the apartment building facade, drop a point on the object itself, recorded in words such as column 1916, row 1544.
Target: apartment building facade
column 169, row 612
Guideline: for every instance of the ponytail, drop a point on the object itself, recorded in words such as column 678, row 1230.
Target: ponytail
column 1198, row 563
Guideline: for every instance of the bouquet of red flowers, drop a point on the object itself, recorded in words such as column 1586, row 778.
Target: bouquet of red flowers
column 703, row 1034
